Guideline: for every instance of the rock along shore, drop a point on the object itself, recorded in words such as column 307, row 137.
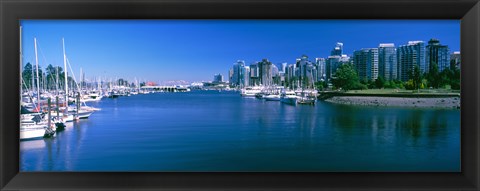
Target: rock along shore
column 446, row 102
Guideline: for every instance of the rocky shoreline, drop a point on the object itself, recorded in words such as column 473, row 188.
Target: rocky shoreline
column 447, row 102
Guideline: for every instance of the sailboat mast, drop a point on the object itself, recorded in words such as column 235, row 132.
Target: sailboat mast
column 38, row 79
column 66, row 81
column 81, row 80
column 56, row 82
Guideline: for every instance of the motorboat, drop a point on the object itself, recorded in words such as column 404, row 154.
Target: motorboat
column 250, row 91
column 289, row 97
column 272, row 97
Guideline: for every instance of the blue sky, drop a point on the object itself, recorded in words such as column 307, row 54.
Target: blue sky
column 195, row 50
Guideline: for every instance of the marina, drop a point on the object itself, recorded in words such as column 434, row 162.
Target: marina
column 223, row 131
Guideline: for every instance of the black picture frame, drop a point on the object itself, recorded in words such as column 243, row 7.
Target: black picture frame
column 13, row 10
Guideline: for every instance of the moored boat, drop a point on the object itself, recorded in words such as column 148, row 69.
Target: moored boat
column 250, row 91
column 35, row 131
column 272, row 97
column 289, row 97
column 28, row 132
column 307, row 98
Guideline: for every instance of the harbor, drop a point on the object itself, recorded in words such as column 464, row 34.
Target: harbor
column 223, row 131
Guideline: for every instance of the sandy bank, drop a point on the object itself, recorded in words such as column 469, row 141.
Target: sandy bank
column 448, row 102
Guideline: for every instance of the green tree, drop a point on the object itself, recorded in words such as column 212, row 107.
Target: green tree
column 40, row 77
column 389, row 84
column 51, row 76
column 346, row 78
column 455, row 81
column 27, row 75
column 433, row 76
column 409, row 85
column 321, row 85
column 416, row 76
column 380, row 82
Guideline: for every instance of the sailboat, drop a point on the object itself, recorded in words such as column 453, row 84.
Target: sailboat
column 32, row 125
column 78, row 112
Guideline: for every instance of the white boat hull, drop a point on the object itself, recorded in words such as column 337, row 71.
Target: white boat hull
column 82, row 114
column 272, row 98
column 32, row 132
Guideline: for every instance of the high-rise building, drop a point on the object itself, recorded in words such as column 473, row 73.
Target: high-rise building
column 290, row 76
column 332, row 64
column 217, row 78
column 265, row 72
column 409, row 56
column 254, row 74
column 321, row 67
column 366, row 63
column 437, row 54
column 275, row 70
column 230, row 75
column 245, row 76
column 275, row 75
column 387, row 61
column 306, row 71
column 338, row 50
column 284, row 67
column 455, row 59
column 334, row 61
column 239, row 74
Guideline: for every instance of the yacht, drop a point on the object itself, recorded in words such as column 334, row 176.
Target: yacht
column 250, row 91
column 307, row 97
column 289, row 97
column 272, row 97
column 93, row 96
column 32, row 131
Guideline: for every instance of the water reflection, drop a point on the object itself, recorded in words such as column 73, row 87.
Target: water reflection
column 224, row 132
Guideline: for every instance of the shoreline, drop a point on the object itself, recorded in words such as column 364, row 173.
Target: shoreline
column 379, row 101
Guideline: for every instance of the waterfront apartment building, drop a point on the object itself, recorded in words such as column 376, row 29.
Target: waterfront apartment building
column 265, row 72
column 306, row 71
column 217, row 78
column 332, row 64
column 408, row 56
column 455, row 59
column 246, row 76
column 366, row 63
column 283, row 67
column 254, row 75
column 387, row 61
column 437, row 54
column 321, row 67
column 239, row 74
column 334, row 61
column 290, row 75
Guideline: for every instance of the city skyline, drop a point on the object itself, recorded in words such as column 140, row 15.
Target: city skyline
column 163, row 50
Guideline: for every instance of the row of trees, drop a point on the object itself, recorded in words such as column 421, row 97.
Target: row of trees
column 347, row 79
column 53, row 78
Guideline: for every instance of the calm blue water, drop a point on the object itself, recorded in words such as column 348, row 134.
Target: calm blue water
column 221, row 131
